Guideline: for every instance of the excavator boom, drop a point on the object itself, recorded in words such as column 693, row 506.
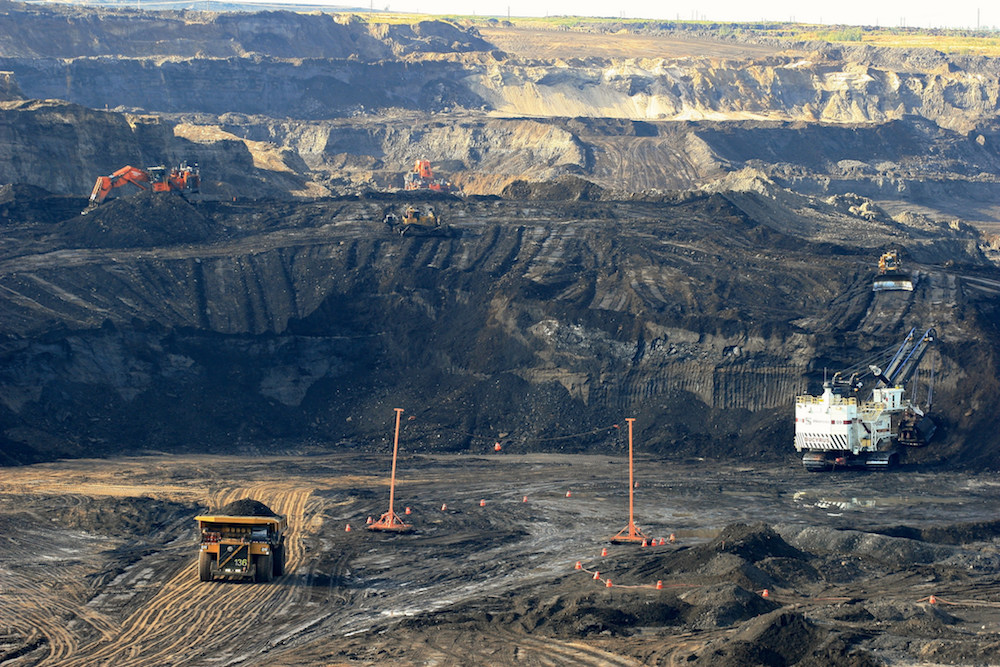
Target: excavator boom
column 124, row 176
column 906, row 358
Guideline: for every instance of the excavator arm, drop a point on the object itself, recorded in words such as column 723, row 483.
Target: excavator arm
column 125, row 175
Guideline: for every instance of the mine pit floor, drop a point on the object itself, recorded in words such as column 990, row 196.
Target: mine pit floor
column 99, row 563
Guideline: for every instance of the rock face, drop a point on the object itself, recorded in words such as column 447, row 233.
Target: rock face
column 325, row 107
column 311, row 67
column 686, row 240
column 8, row 87
column 68, row 32
column 703, row 315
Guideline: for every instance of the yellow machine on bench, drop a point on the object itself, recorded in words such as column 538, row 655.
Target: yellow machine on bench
column 244, row 547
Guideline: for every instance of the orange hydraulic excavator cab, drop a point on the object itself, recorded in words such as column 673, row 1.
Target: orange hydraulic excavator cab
column 423, row 169
column 183, row 178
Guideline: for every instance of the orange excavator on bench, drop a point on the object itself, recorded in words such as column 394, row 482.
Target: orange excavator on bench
column 422, row 178
column 177, row 179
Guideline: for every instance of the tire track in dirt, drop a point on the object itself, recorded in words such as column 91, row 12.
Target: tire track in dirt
column 565, row 653
column 39, row 619
column 46, row 597
column 634, row 164
column 187, row 613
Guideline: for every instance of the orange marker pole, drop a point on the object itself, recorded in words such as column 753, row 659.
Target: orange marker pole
column 631, row 481
column 634, row 535
column 392, row 475
column 389, row 520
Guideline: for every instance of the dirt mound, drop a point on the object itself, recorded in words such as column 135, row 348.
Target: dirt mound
column 123, row 517
column 140, row 221
column 566, row 188
column 782, row 639
column 753, row 543
column 959, row 533
column 893, row 551
column 723, row 605
column 246, row 507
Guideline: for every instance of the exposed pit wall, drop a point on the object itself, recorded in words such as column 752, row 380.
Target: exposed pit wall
column 750, row 373
column 740, row 386
column 252, row 293
column 685, row 89
column 480, row 155
column 840, row 92
column 63, row 147
column 293, row 88
column 9, row 89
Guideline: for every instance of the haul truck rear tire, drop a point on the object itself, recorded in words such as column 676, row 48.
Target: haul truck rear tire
column 265, row 567
column 205, row 566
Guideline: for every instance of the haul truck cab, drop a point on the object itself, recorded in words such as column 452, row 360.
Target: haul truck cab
column 244, row 547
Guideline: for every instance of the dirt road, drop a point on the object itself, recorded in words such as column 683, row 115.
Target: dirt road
column 86, row 583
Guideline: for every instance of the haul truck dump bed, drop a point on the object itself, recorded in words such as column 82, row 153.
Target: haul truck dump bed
column 244, row 547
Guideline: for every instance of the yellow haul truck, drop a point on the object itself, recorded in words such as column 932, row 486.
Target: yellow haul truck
column 244, row 547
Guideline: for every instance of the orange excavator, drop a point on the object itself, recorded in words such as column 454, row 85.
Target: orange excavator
column 183, row 178
column 422, row 178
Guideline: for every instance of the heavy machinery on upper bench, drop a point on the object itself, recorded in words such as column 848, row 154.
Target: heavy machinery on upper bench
column 422, row 178
column 891, row 277
column 839, row 429
column 183, row 178
column 242, row 547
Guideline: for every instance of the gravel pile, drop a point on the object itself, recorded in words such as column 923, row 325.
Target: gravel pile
column 247, row 507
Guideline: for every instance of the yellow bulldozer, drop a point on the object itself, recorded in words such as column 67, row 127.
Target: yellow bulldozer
column 417, row 223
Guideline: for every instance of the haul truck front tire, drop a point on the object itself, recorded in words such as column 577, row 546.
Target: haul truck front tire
column 205, row 566
column 264, row 570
